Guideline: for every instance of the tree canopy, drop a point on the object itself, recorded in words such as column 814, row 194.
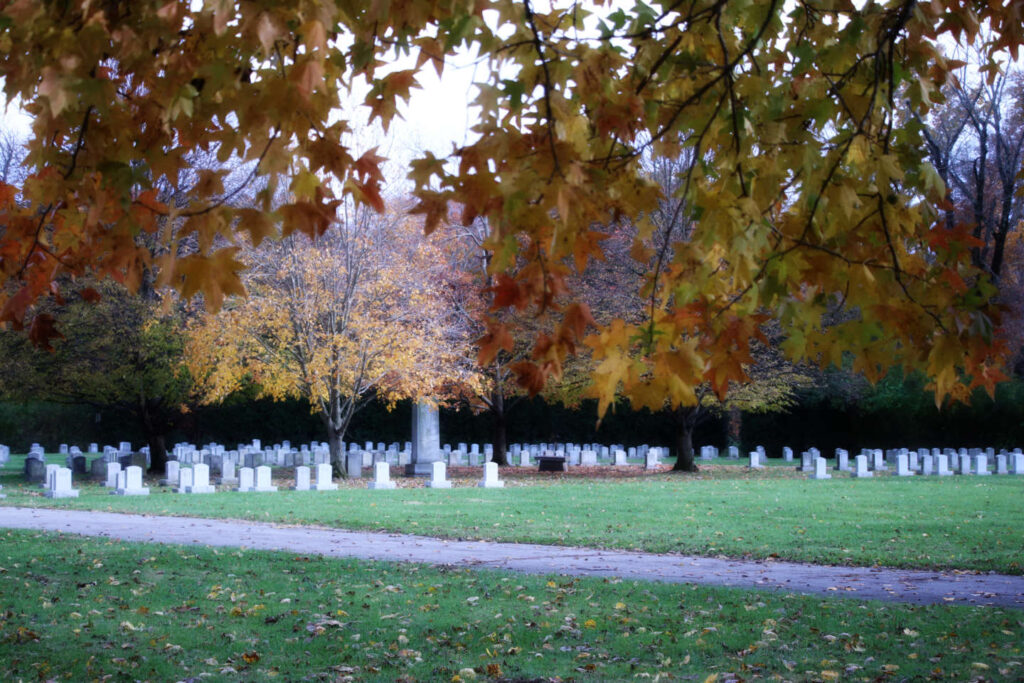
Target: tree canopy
column 353, row 314
column 810, row 189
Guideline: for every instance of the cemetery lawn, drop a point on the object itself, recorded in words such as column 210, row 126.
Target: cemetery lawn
column 967, row 523
column 80, row 608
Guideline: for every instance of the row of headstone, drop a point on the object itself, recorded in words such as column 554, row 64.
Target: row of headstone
column 911, row 463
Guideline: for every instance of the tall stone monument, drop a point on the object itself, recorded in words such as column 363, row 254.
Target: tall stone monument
column 426, row 439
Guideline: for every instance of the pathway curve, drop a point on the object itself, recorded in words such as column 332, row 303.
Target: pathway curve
column 877, row 583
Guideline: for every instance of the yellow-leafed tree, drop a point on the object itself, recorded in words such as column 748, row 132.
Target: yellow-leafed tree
column 355, row 313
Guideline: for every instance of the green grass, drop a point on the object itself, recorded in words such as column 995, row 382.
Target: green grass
column 79, row 609
column 953, row 522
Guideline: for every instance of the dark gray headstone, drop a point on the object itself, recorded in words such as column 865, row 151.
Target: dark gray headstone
column 78, row 465
column 98, row 469
column 35, row 470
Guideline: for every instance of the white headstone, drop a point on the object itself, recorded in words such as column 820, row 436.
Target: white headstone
column 787, row 454
column 60, row 484
column 821, row 469
column 861, row 466
column 185, row 475
column 755, row 460
column 324, row 473
column 301, row 478
column 381, row 477
column 842, row 460
column 1001, row 464
column 246, row 479
column 263, row 480
column 48, row 476
column 112, row 469
column 878, row 460
column 588, row 458
column 437, row 476
column 620, row 458
column 201, row 479
column 981, row 465
column 524, row 458
column 171, row 473
column 942, row 465
column 1018, row 463
column 651, row 459
column 927, row 465
column 734, row 452
column 903, row 465
column 490, row 480
column 806, row 462
column 130, row 483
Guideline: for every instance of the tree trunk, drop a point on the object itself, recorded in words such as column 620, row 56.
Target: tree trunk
column 336, row 447
column 735, row 427
column 154, row 428
column 157, row 453
column 685, row 419
column 499, row 434
column 336, row 416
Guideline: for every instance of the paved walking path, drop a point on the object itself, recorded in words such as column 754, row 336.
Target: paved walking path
column 894, row 585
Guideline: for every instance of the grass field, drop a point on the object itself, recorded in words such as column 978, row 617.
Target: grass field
column 953, row 522
column 88, row 609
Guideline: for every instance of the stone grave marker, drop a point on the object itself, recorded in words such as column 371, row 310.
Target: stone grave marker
column 60, row 484
column 878, row 460
column 821, row 469
column 942, row 465
column 263, row 484
column 129, row 483
column 227, row 472
column 1018, row 463
column 842, row 460
column 246, row 480
column 787, row 454
column 98, row 469
column 171, row 473
column 490, row 480
column 981, row 465
column 1001, row 464
column 927, row 465
column 651, row 459
column 965, row 465
column 382, row 477
column 354, row 464
column 35, row 470
column 201, row 479
column 48, row 476
column 755, row 460
column 437, row 476
column 301, row 478
column 620, row 458
column 903, row 465
column 806, row 462
column 324, row 472
column 588, row 458
column 185, row 477
column 861, row 466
